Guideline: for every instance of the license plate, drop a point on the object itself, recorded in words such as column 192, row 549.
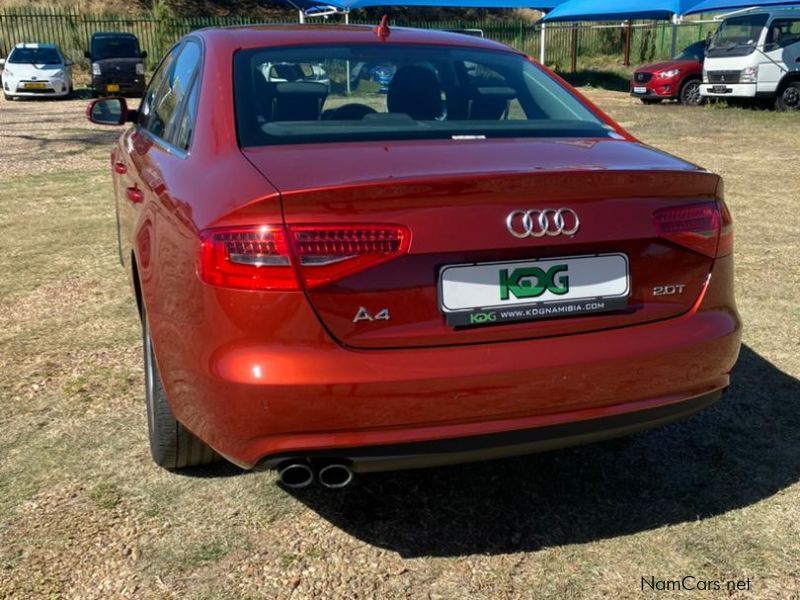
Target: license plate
column 501, row 292
column 639, row 90
column 35, row 86
column 720, row 89
column 112, row 87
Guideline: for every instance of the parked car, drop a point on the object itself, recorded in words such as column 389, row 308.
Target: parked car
column 756, row 55
column 676, row 79
column 295, row 72
column 117, row 64
column 36, row 70
column 331, row 283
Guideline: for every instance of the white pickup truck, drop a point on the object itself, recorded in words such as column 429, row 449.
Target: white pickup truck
column 756, row 55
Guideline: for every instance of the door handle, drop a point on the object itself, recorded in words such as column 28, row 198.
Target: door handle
column 120, row 168
column 134, row 194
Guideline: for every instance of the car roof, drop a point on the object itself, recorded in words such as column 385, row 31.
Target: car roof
column 258, row 36
column 777, row 12
column 27, row 45
column 112, row 34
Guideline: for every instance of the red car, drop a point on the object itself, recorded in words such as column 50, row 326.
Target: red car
column 676, row 79
column 479, row 263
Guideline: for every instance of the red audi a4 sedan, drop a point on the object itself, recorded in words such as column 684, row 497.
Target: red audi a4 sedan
column 476, row 263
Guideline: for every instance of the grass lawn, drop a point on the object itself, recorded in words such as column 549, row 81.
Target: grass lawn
column 84, row 513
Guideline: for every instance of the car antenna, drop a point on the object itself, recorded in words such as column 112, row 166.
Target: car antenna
column 382, row 30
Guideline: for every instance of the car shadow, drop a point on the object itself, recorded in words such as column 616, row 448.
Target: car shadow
column 742, row 450
column 606, row 80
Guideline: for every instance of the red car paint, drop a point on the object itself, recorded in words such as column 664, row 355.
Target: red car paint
column 258, row 374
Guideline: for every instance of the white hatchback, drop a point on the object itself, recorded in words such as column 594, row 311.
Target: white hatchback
column 36, row 70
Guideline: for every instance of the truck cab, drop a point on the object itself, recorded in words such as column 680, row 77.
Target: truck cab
column 756, row 55
column 117, row 64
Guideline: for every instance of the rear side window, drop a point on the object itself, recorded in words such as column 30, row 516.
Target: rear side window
column 183, row 133
column 146, row 107
column 341, row 93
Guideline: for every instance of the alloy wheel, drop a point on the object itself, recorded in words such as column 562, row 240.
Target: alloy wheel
column 691, row 94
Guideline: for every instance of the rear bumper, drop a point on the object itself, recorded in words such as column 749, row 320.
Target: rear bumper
column 510, row 443
column 133, row 85
column 255, row 399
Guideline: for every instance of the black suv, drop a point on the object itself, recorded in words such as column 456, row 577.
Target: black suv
column 117, row 63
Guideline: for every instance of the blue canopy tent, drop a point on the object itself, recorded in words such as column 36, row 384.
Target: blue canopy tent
column 623, row 10
column 619, row 10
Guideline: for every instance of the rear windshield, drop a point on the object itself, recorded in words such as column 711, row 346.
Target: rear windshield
column 340, row 93
column 104, row 47
column 35, row 56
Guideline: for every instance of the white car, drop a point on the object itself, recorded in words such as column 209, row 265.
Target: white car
column 36, row 70
column 756, row 55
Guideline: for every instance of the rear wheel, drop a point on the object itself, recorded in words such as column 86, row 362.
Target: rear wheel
column 690, row 93
column 650, row 100
column 171, row 444
column 788, row 97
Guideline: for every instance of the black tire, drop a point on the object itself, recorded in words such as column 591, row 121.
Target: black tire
column 649, row 101
column 171, row 444
column 7, row 98
column 690, row 93
column 788, row 97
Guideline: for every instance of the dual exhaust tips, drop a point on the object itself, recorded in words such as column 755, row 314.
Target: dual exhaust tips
column 297, row 474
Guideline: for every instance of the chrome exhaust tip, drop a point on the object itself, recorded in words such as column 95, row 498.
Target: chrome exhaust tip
column 335, row 476
column 296, row 475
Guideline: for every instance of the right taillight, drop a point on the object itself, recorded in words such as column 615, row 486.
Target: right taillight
column 270, row 257
column 704, row 227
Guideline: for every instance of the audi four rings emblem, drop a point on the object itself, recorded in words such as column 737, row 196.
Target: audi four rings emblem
column 539, row 223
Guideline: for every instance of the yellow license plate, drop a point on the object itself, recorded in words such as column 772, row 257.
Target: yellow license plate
column 112, row 87
column 35, row 86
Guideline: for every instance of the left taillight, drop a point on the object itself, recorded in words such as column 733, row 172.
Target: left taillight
column 271, row 257
column 705, row 227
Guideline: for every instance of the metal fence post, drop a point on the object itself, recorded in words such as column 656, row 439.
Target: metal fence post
column 574, row 49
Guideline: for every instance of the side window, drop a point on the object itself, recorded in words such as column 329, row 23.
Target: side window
column 146, row 107
column 783, row 32
column 183, row 134
column 175, row 87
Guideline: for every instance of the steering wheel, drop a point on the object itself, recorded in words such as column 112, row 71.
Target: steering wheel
column 351, row 112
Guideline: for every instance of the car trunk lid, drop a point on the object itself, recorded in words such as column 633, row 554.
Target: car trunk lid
column 455, row 199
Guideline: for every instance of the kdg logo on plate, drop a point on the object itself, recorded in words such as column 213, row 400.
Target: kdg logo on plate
column 532, row 282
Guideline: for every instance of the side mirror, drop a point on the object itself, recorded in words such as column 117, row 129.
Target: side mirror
column 68, row 63
column 144, row 54
column 109, row 111
column 87, row 54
